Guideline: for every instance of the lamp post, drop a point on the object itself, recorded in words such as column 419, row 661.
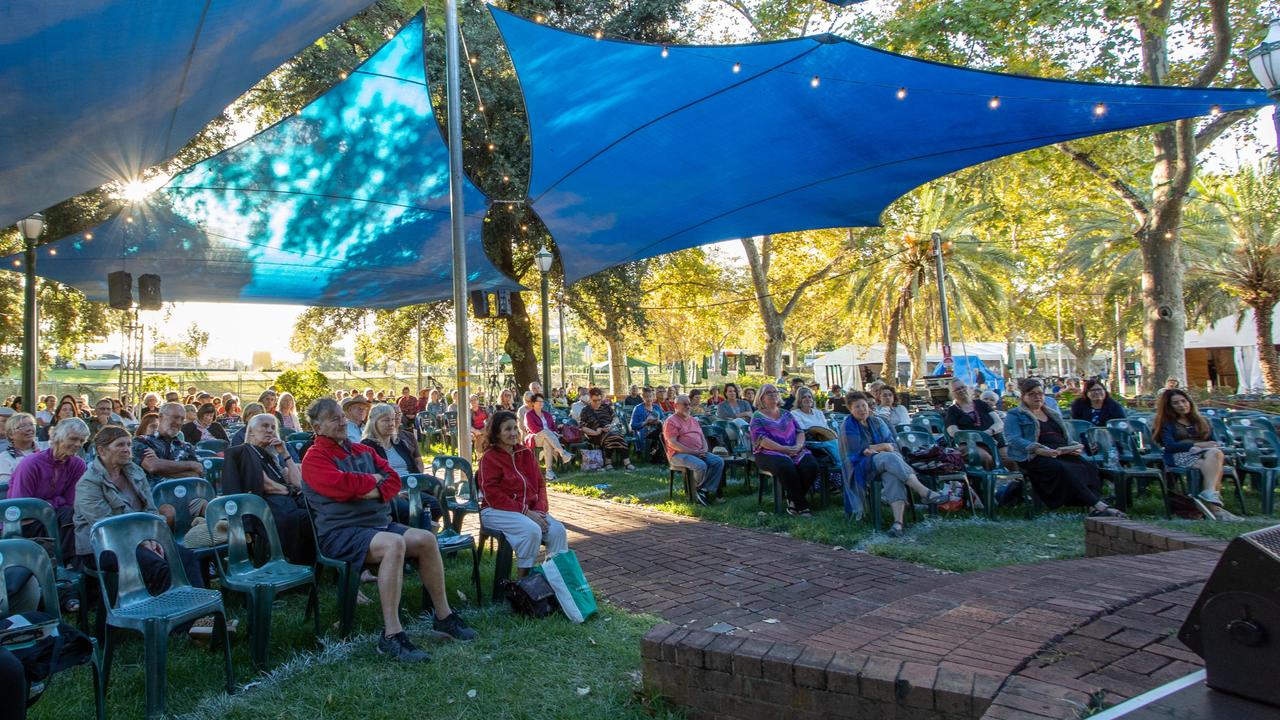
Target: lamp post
column 544, row 259
column 32, row 228
column 560, row 307
column 1264, row 63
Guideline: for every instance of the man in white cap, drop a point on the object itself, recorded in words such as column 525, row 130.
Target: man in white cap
column 356, row 410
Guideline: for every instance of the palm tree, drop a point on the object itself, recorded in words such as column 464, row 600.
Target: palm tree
column 896, row 293
column 1239, row 222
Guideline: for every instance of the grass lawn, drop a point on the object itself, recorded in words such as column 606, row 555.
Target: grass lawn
column 956, row 542
column 517, row 668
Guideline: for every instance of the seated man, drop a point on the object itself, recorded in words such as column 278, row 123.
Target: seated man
column 580, row 401
column 687, row 448
column 350, row 489
column 356, row 412
column 103, row 415
column 166, row 454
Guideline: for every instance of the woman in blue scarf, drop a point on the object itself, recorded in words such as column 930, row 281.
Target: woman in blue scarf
column 870, row 452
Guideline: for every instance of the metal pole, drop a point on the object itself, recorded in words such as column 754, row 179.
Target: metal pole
column 1118, row 365
column 546, row 336
column 454, row 98
column 942, row 300
column 29, row 331
column 560, row 308
column 418, row 387
column 1059, row 313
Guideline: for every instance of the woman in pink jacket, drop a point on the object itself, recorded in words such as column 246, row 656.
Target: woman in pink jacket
column 515, row 496
column 540, row 431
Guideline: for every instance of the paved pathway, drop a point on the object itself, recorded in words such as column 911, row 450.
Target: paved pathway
column 1051, row 634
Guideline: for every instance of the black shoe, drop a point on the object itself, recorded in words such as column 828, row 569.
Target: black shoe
column 400, row 649
column 454, row 627
column 702, row 499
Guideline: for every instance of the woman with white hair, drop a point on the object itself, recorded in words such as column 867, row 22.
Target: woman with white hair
column 51, row 475
column 382, row 433
column 263, row 466
column 20, row 429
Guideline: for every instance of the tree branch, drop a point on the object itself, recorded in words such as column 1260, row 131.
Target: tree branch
column 1118, row 186
column 1221, row 50
column 1214, row 128
column 742, row 10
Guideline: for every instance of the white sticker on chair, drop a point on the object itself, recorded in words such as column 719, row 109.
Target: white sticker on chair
column 1246, row 422
column 12, row 514
column 208, row 464
column 180, row 492
column 231, row 507
column 412, row 481
column 448, row 463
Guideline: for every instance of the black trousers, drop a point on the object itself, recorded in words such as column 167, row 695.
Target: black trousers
column 13, row 686
column 796, row 478
column 66, row 531
column 155, row 569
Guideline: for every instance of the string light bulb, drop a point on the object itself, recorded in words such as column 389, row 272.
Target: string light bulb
column 1215, row 111
column 53, row 251
column 902, row 93
column 599, row 35
column 1100, row 109
column 474, row 60
column 994, row 102
column 481, row 107
column 88, row 236
column 665, row 51
column 128, row 219
column 342, row 76
column 17, row 263
column 737, row 67
column 506, row 178
column 815, row 81
column 492, row 147
column 539, row 19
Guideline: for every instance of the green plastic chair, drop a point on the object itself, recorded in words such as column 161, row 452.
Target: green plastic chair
column 154, row 616
column 13, row 513
column 348, row 584
column 213, row 471
column 460, row 488
column 1076, row 429
column 739, row 454
column 214, row 445
column 295, row 449
column 263, row 583
column 1260, row 447
column 26, row 554
column 1143, row 445
column 1114, row 452
column 931, row 423
column 973, row 468
column 202, row 454
column 449, row 540
column 300, row 437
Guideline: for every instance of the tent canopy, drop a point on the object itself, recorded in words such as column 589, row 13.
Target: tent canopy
column 971, row 369
column 345, row 203
column 92, row 92
column 631, row 363
column 641, row 150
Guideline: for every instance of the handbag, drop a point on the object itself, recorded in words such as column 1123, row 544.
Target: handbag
column 531, row 595
column 592, row 459
column 572, row 590
column 571, row 434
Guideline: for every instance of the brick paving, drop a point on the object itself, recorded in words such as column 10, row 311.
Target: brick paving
column 1024, row 641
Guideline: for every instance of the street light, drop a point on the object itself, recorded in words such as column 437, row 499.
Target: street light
column 32, row 228
column 1265, row 66
column 544, row 260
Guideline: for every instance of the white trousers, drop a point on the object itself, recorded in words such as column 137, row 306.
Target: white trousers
column 551, row 448
column 524, row 534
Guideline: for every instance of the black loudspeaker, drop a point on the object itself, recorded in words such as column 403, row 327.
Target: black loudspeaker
column 120, row 290
column 149, row 292
column 504, row 304
column 1235, row 623
column 480, row 305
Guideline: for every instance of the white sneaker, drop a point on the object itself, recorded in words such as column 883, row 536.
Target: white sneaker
column 1210, row 496
column 1205, row 508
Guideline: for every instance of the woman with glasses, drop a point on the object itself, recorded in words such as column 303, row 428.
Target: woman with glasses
column 596, row 422
column 20, row 429
column 1037, row 439
column 969, row 413
column 778, row 445
column 1096, row 405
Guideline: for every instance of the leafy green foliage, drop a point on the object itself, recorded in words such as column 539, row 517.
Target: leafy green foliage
column 305, row 385
column 158, row 384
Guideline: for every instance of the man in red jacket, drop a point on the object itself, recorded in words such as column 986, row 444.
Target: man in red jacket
column 350, row 489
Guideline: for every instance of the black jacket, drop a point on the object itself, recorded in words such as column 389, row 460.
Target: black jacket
column 242, row 470
column 1081, row 409
column 191, row 433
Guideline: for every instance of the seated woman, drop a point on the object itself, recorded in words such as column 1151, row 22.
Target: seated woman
column 967, row 413
column 383, row 435
column 148, row 425
column 204, row 427
column 1187, row 440
column 479, row 419
column 749, row 394
column 20, row 429
column 646, row 423
column 514, row 496
column 778, row 447
column 1096, row 405
column 596, row 422
column 264, row 467
column 818, row 435
column 887, row 408
column 67, row 408
column 667, row 400
column 289, row 420
column 734, row 408
column 51, row 475
column 1037, row 441
column 540, row 431
column 115, row 485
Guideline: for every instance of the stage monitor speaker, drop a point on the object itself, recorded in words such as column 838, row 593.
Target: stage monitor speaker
column 149, row 292
column 480, row 305
column 120, row 290
column 1235, row 623
column 504, row 304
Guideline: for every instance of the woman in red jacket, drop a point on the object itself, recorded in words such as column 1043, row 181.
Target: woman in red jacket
column 515, row 496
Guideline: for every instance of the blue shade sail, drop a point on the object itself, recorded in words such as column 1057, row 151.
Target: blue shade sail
column 344, row 204
column 641, row 150
column 97, row 90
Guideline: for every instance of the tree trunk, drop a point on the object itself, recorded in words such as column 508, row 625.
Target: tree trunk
column 1266, row 348
column 519, row 343
column 1164, row 325
column 889, row 366
column 617, row 366
column 774, row 337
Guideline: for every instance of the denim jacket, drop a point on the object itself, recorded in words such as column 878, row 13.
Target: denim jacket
column 1022, row 430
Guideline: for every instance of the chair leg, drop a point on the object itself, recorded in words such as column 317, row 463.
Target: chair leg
column 107, row 650
column 1235, row 476
column 876, row 519
column 261, row 599
column 475, row 574
column 155, row 657
column 502, row 566
column 313, row 606
column 220, row 629
column 348, row 589
column 99, row 691
column 989, row 496
column 1267, row 481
